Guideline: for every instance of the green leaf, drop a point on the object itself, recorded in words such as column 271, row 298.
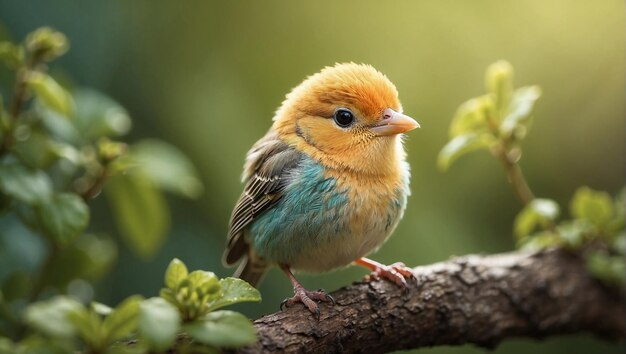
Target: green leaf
column 123, row 320
column 234, row 290
column 167, row 167
column 169, row 295
column 100, row 308
column 98, row 115
column 23, row 184
column 140, row 212
column 67, row 152
column 63, row 217
column 499, row 83
column 100, row 253
column 88, row 324
column 47, row 43
column 461, row 145
column 109, row 150
column 89, row 258
column 159, row 322
column 538, row 213
column 51, row 317
column 471, row 117
column 42, row 345
column 205, row 282
column 49, row 92
column 594, row 206
column 540, row 241
column 618, row 223
column 58, row 126
column 175, row 273
column 6, row 346
column 11, row 55
column 224, row 329
column 519, row 111
column 36, row 151
column 573, row 233
column 609, row 269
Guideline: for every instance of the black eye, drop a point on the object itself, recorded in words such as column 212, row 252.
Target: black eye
column 343, row 117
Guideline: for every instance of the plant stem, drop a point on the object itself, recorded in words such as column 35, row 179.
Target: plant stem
column 18, row 99
column 513, row 171
column 515, row 176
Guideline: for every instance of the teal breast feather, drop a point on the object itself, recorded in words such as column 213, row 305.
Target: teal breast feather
column 309, row 213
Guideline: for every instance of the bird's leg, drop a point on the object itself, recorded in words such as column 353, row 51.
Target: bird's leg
column 396, row 272
column 304, row 296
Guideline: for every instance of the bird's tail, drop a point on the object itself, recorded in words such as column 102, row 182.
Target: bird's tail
column 251, row 271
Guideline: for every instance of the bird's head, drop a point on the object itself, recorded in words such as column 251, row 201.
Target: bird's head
column 347, row 116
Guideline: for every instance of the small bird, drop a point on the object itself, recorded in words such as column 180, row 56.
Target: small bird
column 327, row 184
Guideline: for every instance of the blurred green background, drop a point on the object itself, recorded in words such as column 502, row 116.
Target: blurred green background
column 207, row 77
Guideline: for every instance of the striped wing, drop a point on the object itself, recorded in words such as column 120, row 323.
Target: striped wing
column 266, row 172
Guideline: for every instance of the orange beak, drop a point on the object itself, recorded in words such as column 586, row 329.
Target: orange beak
column 394, row 123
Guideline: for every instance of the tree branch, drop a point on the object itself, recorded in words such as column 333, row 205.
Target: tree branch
column 473, row 299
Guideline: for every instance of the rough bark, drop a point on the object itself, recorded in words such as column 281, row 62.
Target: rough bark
column 473, row 299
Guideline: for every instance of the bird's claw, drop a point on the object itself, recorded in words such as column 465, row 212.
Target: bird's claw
column 308, row 298
column 328, row 297
column 283, row 303
column 397, row 273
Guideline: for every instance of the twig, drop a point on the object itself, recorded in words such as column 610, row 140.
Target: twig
column 18, row 99
column 515, row 175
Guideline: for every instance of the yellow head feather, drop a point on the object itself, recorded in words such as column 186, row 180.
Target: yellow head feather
column 304, row 119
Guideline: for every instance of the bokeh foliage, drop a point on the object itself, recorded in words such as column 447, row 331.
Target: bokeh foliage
column 56, row 155
column 207, row 76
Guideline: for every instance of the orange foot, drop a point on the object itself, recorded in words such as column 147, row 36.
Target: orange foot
column 305, row 296
column 397, row 272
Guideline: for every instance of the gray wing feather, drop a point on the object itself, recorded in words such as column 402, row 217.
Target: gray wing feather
column 266, row 170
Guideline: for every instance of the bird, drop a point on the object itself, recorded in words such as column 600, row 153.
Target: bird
column 326, row 185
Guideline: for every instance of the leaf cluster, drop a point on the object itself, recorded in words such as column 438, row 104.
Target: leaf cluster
column 596, row 227
column 192, row 301
column 58, row 150
column 185, row 319
column 498, row 121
